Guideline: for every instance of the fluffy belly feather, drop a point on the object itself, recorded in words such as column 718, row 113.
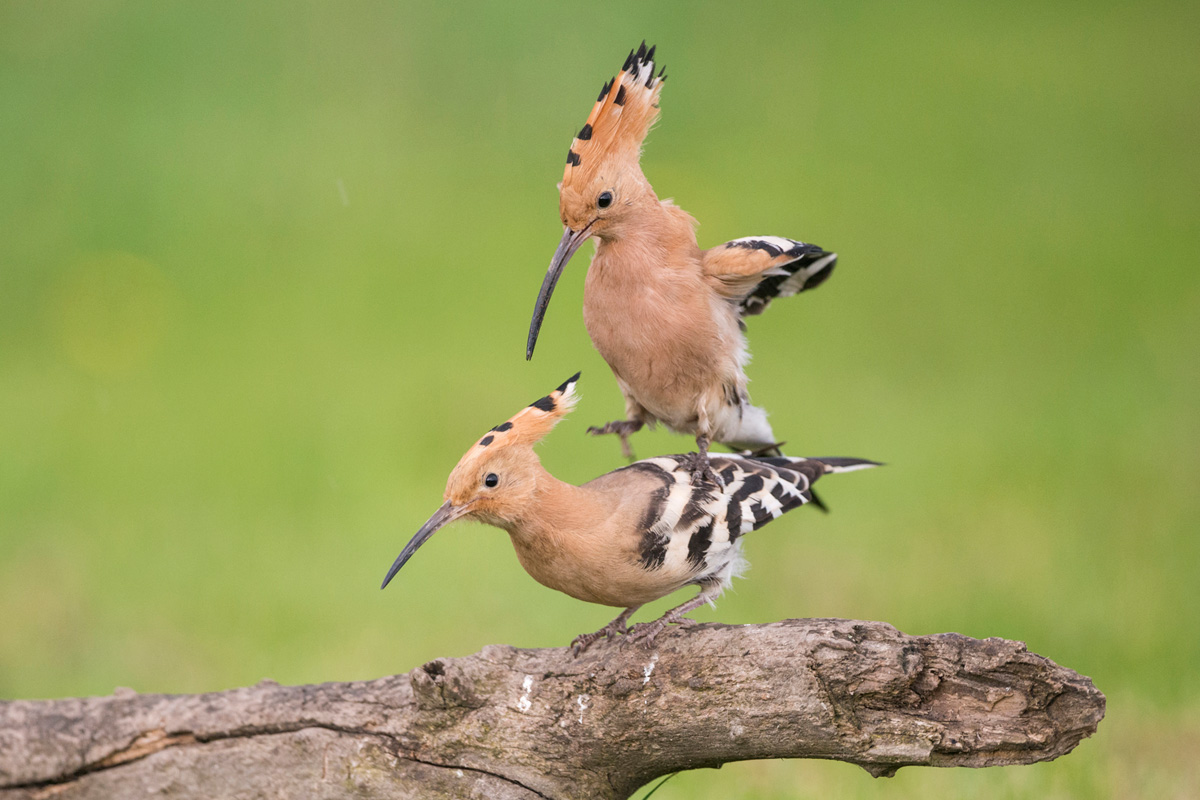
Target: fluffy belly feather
column 676, row 365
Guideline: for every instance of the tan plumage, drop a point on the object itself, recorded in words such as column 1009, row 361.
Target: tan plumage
column 630, row 536
column 664, row 314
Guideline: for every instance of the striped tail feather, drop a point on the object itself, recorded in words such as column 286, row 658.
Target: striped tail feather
column 767, row 487
column 814, row 468
column 829, row 464
column 711, row 520
column 846, row 464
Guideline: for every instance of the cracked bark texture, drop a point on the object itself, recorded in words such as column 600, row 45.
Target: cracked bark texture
column 519, row 724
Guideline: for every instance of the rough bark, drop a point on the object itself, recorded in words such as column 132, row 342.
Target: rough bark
column 508, row 723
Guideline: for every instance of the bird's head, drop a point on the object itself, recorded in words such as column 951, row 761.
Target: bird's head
column 496, row 480
column 603, row 187
column 602, row 205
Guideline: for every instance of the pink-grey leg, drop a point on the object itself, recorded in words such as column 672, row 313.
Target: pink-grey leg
column 623, row 428
column 647, row 632
column 615, row 628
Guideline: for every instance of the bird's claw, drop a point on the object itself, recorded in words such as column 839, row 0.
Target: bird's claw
column 581, row 643
column 706, row 474
column 702, row 471
column 623, row 428
column 646, row 633
column 585, row 640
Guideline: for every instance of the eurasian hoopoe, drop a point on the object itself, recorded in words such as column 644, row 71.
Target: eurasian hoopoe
column 664, row 314
column 630, row 536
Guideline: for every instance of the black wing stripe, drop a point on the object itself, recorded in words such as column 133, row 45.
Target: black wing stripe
column 699, row 544
column 694, row 510
column 654, row 544
column 809, row 268
column 711, row 520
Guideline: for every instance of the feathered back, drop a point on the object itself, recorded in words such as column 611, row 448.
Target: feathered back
column 623, row 114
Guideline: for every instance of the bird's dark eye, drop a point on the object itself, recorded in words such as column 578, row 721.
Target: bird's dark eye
column 491, row 480
column 604, row 200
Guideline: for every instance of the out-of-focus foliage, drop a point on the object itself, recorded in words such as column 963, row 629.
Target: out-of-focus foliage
column 266, row 271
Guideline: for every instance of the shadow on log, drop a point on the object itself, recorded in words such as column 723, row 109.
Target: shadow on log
column 509, row 723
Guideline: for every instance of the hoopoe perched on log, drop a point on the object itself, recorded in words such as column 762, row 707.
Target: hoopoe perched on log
column 666, row 315
column 630, row 536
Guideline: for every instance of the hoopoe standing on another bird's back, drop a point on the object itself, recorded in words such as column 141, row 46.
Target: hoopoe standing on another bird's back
column 664, row 314
column 630, row 536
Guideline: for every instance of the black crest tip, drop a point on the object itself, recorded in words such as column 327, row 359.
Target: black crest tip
column 573, row 379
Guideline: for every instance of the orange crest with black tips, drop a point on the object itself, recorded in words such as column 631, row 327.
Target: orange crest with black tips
column 508, row 447
column 622, row 116
column 531, row 423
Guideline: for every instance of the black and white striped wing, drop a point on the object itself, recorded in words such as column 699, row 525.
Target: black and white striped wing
column 757, row 269
column 696, row 527
column 807, row 268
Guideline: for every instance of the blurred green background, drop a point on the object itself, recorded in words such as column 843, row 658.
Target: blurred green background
column 266, row 271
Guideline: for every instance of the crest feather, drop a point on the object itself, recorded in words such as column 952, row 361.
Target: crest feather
column 620, row 119
column 533, row 422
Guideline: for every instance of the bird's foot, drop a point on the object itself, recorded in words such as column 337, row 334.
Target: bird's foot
column 646, row 633
column 585, row 640
column 702, row 471
column 623, row 428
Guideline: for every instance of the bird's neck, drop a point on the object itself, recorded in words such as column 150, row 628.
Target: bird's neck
column 642, row 225
column 556, row 509
column 557, row 530
column 656, row 232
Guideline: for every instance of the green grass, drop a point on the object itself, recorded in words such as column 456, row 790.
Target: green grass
column 267, row 270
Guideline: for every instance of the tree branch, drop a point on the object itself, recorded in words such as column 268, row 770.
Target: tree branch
column 522, row 724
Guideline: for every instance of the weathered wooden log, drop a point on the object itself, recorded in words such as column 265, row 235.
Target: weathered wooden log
column 510, row 723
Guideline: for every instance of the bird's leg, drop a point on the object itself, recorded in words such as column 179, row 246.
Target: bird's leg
column 647, row 632
column 623, row 428
column 701, row 467
column 617, row 626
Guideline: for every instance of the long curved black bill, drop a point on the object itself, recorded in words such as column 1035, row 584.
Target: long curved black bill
column 443, row 516
column 566, row 248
